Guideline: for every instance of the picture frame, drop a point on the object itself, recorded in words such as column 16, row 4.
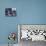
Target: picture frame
column 10, row 11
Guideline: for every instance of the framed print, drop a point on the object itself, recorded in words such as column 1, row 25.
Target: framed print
column 10, row 11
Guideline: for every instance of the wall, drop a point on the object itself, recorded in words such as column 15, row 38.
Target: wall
column 28, row 12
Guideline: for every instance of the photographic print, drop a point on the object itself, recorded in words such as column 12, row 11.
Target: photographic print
column 10, row 11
